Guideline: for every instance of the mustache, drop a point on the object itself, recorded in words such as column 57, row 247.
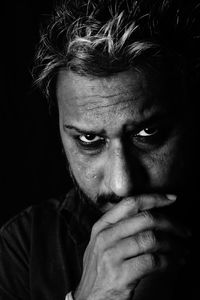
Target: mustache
column 101, row 200
column 178, row 210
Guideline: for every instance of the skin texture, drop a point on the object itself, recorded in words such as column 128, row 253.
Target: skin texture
column 113, row 106
column 120, row 139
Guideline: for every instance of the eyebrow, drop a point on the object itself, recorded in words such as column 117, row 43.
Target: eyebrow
column 155, row 118
column 82, row 131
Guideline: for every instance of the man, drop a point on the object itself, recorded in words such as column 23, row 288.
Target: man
column 121, row 74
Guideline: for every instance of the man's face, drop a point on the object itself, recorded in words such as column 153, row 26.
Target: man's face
column 118, row 133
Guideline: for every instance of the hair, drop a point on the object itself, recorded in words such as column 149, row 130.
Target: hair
column 104, row 37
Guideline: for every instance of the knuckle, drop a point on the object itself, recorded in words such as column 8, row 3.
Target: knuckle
column 148, row 217
column 95, row 229
column 150, row 236
column 147, row 240
column 107, row 256
column 100, row 241
column 141, row 242
column 132, row 204
column 152, row 260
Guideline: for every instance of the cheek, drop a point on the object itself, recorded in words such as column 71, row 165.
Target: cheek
column 87, row 171
column 164, row 167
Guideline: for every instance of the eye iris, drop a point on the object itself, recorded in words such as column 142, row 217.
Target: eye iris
column 150, row 130
column 90, row 137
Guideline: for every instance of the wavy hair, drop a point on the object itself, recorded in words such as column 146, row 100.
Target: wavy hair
column 103, row 37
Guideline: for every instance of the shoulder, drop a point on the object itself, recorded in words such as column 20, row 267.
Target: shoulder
column 23, row 221
column 29, row 240
column 38, row 222
column 53, row 207
column 17, row 232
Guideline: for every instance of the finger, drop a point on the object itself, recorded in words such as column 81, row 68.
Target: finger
column 146, row 264
column 142, row 222
column 136, row 245
column 148, row 242
column 150, row 263
column 131, row 206
column 146, row 202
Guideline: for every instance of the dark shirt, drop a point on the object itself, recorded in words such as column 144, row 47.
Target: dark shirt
column 41, row 250
column 41, row 254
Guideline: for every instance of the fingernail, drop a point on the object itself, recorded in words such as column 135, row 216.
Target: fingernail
column 171, row 197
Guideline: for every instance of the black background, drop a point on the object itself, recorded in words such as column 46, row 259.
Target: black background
column 33, row 166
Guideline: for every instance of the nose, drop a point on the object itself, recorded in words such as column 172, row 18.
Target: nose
column 117, row 175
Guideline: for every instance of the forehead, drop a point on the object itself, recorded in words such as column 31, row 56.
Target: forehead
column 127, row 95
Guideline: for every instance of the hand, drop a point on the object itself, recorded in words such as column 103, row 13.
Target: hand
column 128, row 243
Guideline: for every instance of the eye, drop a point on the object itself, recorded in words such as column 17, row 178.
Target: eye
column 147, row 132
column 91, row 142
column 89, row 138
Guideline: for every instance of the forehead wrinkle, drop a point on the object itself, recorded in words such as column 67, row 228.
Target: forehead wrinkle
column 100, row 96
column 124, row 101
column 110, row 105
